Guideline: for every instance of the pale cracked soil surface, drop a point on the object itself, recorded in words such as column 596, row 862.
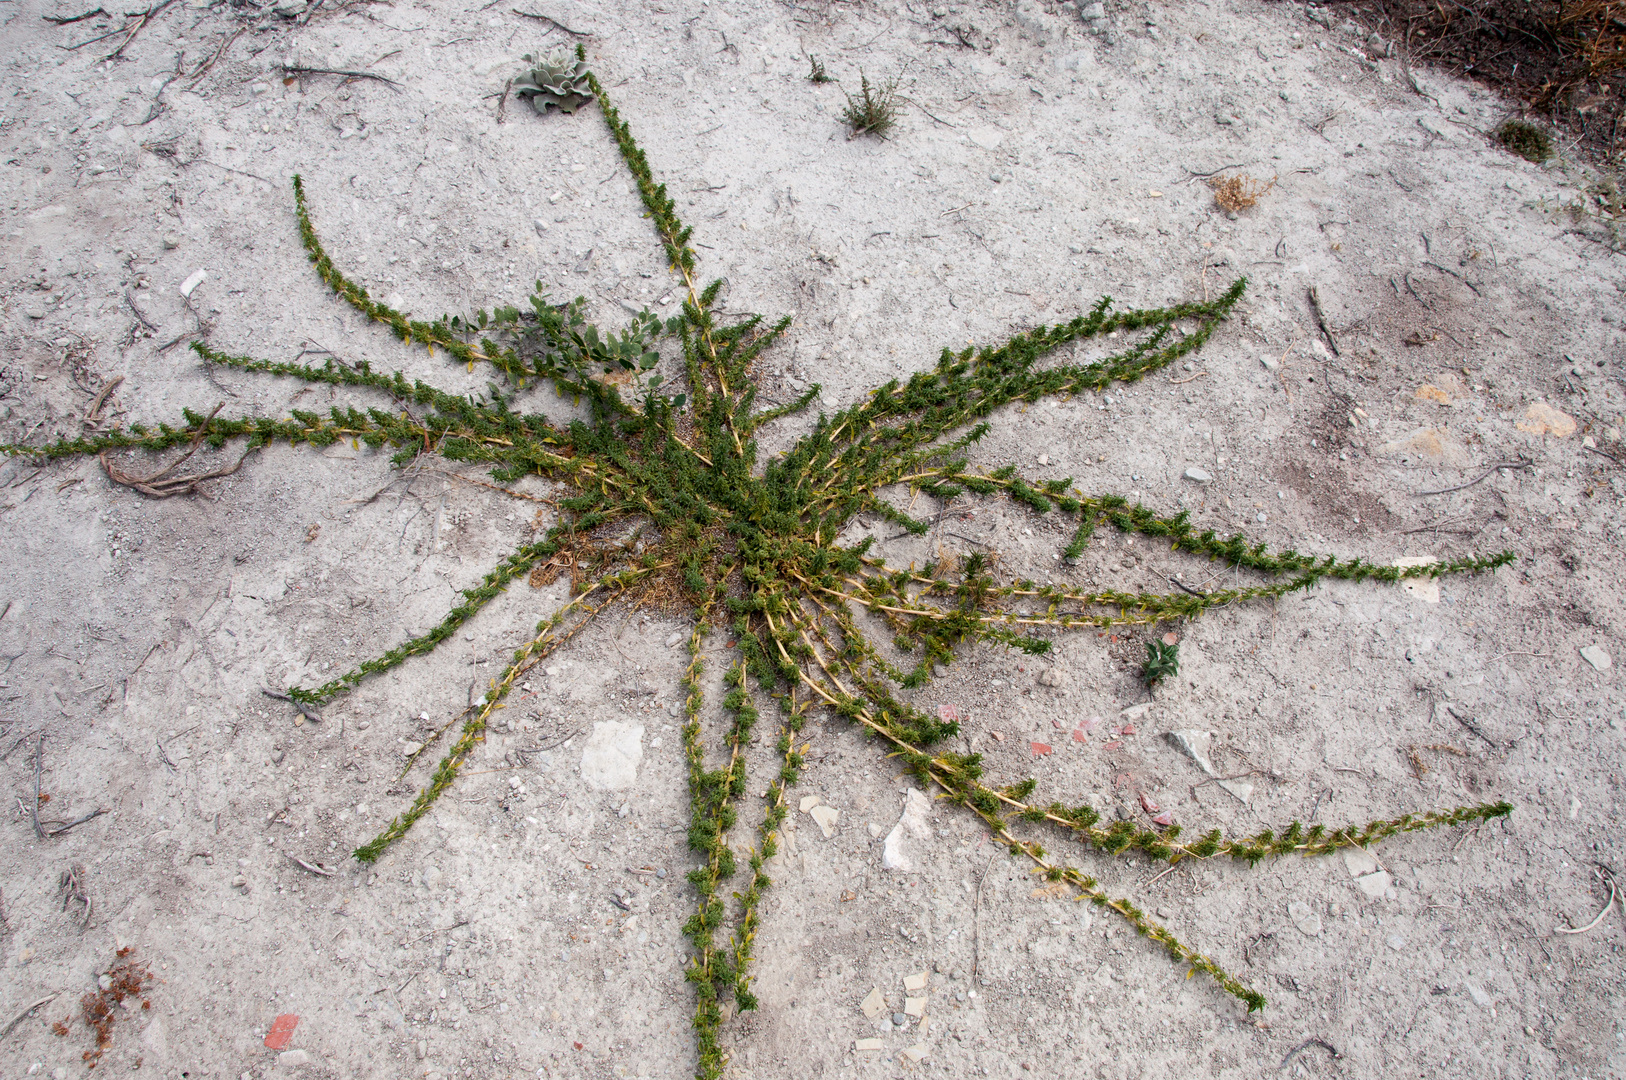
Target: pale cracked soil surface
column 1475, row 323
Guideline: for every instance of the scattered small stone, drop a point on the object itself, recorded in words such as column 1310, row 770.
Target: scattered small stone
column 874, row 1004
column 1135, row 712
column 900, row 1020
column 673, row 638
column 1395, row 942
column 1199, row 476
column 171, row 241
column 995, row 177
column 1305, row 918
column 1270, row 363
column 1053, row 677
column 914, row 984
column 809, row 802
column 875, row 831
column 407, row 750
column 291, row 1059
column 1482, row 999
column 916, row 1053
column 1597, row 656
column 1093, row 11
column 197, row 277
column 862, row 1045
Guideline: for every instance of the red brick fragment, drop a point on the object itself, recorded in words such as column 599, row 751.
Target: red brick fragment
column 282, row 1031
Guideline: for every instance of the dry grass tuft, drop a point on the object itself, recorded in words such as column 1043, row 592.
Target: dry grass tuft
column 1236, row 193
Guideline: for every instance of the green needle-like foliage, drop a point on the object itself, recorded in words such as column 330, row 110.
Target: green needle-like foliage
column 749, row 547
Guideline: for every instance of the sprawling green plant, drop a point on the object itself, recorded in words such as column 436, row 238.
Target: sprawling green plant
column 749, row 547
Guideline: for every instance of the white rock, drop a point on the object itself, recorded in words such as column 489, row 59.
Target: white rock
column 198, row 277
column 1375, row 885
column 826, row 817
column 1305, row 918
column 1597, row 657
column 1135, row 712
column 986, row 137
column 612, row 755
column 1092, row 11
column 868, row 1044
column 1482, row 999
column 289, row 1059
column 1359, row 861
column 1270, row 363
column 914, row 1006
column 808, row 803
column 873, row 1004
column 914, row 984
column 1199, row 476
column 673, row 638
column 1426, row 589
column 913, row 822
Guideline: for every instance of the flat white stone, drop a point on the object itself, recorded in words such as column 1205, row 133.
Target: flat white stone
column 913, row 822
column 867, row 1044
column 914, row 984
column 826, row 817
column 612, row 755
column 914, row 1006
column 1305, row 918
column 1426, row 589
column 809, row 802
column 916, row 1053
column 1375, row 885
column 873, row 1004
column 1198, row 476
column 1597, row 657
column 1359, row 861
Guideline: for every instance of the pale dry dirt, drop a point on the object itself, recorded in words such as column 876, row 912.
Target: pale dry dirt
column 530, row 924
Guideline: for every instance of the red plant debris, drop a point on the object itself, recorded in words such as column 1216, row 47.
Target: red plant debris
column 125, row 979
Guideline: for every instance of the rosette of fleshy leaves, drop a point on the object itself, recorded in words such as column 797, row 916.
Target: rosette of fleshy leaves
column 560, row 80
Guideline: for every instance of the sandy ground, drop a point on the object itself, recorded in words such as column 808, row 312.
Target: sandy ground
column 530, row 924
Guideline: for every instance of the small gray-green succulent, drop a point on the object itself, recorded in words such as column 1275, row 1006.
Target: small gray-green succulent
column 560, row 80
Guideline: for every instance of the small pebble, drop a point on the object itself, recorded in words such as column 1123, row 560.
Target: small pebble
column 1198, row 476
column 899, row 1019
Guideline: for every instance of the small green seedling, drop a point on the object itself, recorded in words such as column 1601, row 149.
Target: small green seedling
column 874, row 110
column 817, row 74
column 1161, row 662
column 1527, row 140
